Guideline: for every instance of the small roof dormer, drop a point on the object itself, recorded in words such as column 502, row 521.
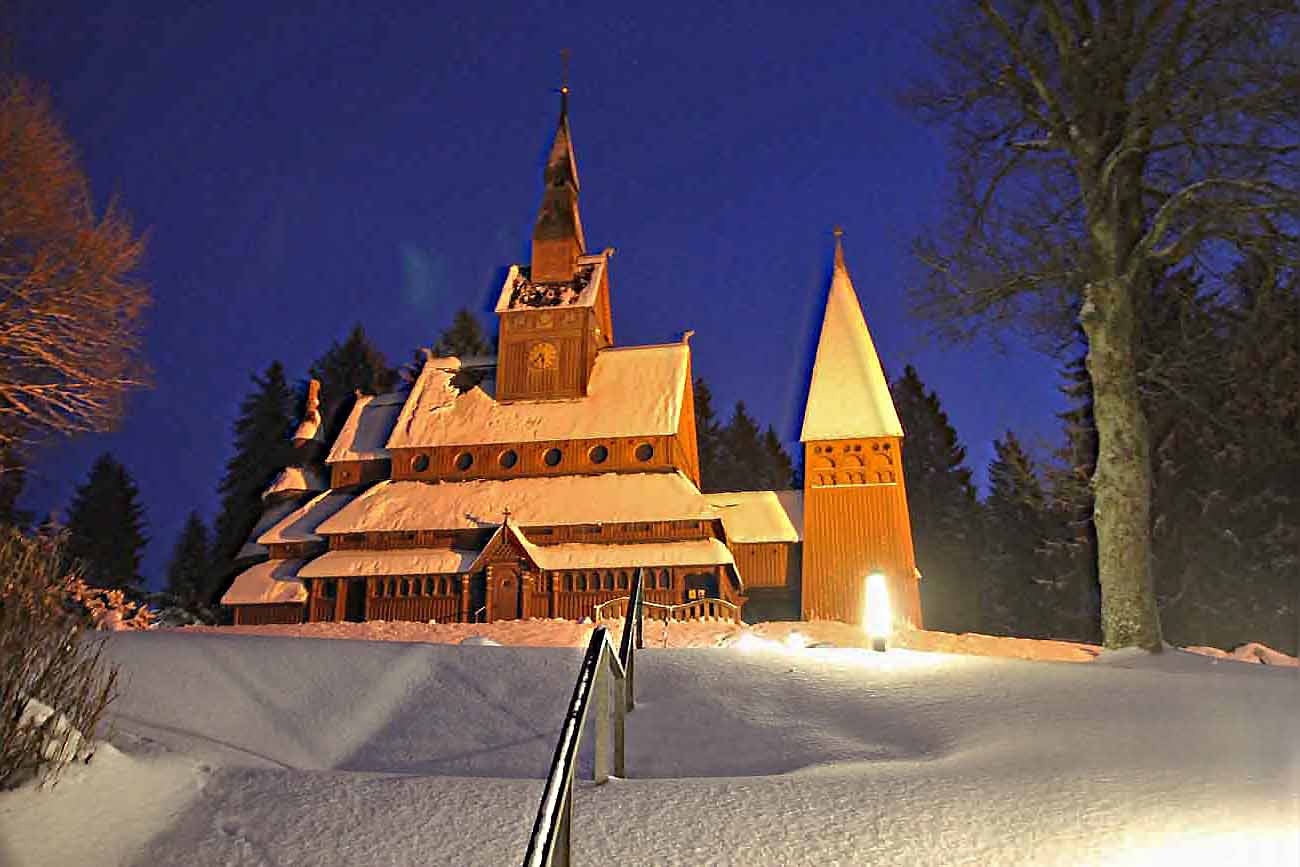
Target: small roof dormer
column 849, row 396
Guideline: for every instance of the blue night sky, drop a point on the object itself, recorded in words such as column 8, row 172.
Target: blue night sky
column 299, row 171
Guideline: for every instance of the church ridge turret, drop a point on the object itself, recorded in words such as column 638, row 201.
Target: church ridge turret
column 555, row 314
column 557, row 235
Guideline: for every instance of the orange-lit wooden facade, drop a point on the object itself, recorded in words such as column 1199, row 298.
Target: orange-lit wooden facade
column 856, row 523
column 262, row 615
column 508, row 584
column 555, row 325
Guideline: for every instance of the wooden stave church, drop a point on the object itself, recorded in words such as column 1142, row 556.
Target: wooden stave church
column 509, row 487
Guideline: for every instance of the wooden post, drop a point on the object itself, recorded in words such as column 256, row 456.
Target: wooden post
column 561, row 857
column 600, row 773
column 464, row 598
column 629, row 681
column 340, row 599
column 620, row 719
column 487, row 596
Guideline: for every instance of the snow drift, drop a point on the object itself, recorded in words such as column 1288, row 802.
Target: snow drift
column 239, row 749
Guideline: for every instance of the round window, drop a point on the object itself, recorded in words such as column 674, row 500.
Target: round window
column 508, row 458
column 464, row 461
column 552, row 457
column 645, row 452
column 598, row 454
column 420, row 464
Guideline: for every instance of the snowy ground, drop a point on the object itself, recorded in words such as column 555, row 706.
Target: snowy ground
column 234, row 749
column 678, row 634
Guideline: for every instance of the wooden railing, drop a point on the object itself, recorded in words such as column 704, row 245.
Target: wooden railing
column 417, row 608
column 577, row 604
column 322, row 609
column 549, row 844
column 696, row 609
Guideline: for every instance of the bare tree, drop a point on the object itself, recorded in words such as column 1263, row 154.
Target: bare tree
column 1098, row 145
column 70, row 311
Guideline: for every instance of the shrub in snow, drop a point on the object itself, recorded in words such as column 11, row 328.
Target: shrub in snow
column 53, row 683
column 170, row 611
column 108, row 609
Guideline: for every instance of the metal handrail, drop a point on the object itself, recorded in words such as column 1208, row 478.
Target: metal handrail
column 549, row 842
column 633, row 636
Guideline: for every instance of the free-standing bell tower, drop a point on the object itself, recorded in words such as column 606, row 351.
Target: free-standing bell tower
column 855, row 502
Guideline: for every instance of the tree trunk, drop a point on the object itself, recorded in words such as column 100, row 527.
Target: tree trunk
column 1122, row 480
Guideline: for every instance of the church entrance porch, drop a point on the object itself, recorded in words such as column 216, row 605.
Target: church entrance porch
column 504, row 592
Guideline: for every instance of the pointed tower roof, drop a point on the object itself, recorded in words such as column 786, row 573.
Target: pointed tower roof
column 558, row 217
column 561, row 165
column 849, row 395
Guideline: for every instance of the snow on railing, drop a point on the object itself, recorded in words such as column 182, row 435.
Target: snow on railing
column 549, row 842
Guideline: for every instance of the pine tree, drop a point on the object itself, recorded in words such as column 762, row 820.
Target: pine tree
column 941, row 503
column 778, row 470
column 1015, row 597
column 1069, row 554
column 261, row 450
column 187, row 573
column 464, row 337
column 738, row 456
column 106, row 527
column 708, row 434
column 346, row 368
column 743, row 458
column 1227, row 461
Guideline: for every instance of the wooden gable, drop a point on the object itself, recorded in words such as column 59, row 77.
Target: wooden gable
column 506, row 545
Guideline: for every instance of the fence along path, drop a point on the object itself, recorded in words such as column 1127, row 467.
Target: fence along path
column 604, row 670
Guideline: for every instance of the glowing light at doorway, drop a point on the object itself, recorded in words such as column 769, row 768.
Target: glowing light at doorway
column 877, row 619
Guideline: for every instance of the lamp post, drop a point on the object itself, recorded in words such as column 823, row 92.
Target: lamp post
column 877, row 619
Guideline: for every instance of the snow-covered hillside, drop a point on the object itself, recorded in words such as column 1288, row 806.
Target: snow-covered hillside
column 251, row 750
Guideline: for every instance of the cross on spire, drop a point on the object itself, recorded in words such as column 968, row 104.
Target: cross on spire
column 565, row 56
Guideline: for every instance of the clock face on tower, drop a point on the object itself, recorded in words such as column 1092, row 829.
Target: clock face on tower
column 542, row 356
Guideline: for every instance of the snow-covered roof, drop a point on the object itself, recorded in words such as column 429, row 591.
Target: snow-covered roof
column 507, row 530
column 693, row 552
column 269, row 582
column 609, row 498
column 634, row 391
column 401, row 561
column 520, row 293
column 760, row 516
column 849, row 395
column 297, row 480
column 301, row 524
column 270, row 517
column 308, row 428
column 367, row 428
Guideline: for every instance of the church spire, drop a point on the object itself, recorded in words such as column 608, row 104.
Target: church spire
column 849, row 395
column 557, row 234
